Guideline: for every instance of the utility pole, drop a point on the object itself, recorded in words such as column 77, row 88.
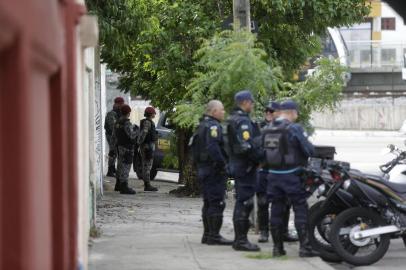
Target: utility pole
column 242, row 15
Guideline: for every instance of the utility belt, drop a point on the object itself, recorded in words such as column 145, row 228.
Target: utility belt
column 296, row 171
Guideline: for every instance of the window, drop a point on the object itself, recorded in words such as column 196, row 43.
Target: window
column 365, row 56
column 388, row 23
column 388, row 55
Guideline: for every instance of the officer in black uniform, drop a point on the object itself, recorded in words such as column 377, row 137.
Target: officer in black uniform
column 210, row 157
column 245, row 156
column 285, row 183
column 271, row 113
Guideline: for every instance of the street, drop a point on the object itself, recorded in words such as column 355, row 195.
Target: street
column 363, row 149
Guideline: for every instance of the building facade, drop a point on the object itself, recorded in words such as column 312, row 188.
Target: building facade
column 379, row 41
column 47, row 110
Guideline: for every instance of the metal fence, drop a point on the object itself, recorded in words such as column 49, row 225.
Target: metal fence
column 376, row 54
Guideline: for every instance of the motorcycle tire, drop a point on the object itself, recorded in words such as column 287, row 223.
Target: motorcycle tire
column 316, row 216
column 345, row 251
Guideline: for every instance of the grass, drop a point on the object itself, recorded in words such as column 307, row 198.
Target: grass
column 265, row 256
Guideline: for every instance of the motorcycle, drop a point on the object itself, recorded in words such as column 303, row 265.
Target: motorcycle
column 361, row 235
column 337, row 199
column 322, row 214
column 395, row 170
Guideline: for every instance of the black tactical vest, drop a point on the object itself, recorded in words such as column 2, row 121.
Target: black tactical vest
column 289, row 151
column 122, row 138
column 152, row 135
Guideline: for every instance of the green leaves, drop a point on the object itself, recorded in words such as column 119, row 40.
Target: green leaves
column 159, row 47
column 321, row 90
column 228, row 63
column 232, row 61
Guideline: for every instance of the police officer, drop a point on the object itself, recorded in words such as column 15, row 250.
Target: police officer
column 210, row 157
column 245, row 156
column 147, row 142
column 125, row 135
column 111, row 118
column 271, row 113
column 285, row 182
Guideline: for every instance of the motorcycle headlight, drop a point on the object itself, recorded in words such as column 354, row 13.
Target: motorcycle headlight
column 346, row 184
column 321, row 189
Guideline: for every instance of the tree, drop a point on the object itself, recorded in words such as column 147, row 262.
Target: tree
column 232, row 61
column 153, row 43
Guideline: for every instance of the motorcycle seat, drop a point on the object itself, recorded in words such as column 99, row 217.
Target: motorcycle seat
column 399, row 189
column 376, row 177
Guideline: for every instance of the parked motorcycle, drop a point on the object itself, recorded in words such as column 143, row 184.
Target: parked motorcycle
column 322, row 214
column 337, row 199
column 361, row 235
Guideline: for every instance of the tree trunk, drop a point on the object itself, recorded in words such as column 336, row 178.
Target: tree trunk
column 187, row 171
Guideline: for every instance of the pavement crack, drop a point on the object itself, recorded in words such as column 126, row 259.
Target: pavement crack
column 186, row 239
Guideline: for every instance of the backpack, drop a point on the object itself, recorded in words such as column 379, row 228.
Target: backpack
column 195, row 148
column 275, row 143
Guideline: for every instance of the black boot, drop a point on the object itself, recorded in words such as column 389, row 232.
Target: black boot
column 206, row 229
column 149, row 187
column 305, row 249
column 241, row 242
column 214, row 238
column 125, row 189
column 117, row 186
column 111, row 171
column 263, row 222
column 277, row 238
column 287, row 237
column 263, row 236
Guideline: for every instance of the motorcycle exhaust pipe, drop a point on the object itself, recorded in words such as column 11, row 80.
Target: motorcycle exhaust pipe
column 375, row 232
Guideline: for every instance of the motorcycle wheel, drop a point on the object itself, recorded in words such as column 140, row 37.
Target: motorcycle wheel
column 355, row 219
column 320, row 220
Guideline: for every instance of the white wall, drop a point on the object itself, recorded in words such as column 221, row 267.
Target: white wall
column 87, row 34
column 364, row 114
column 400, row 33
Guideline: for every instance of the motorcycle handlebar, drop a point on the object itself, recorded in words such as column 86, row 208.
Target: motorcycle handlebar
column 386, row 168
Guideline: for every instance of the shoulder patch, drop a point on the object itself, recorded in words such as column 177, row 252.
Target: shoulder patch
column 213, row 131
column 246, row 135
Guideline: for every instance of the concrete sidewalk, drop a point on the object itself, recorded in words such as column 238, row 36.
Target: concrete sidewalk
column 157, row 231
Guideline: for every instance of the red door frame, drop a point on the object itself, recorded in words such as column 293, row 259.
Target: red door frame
column 38, row 36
